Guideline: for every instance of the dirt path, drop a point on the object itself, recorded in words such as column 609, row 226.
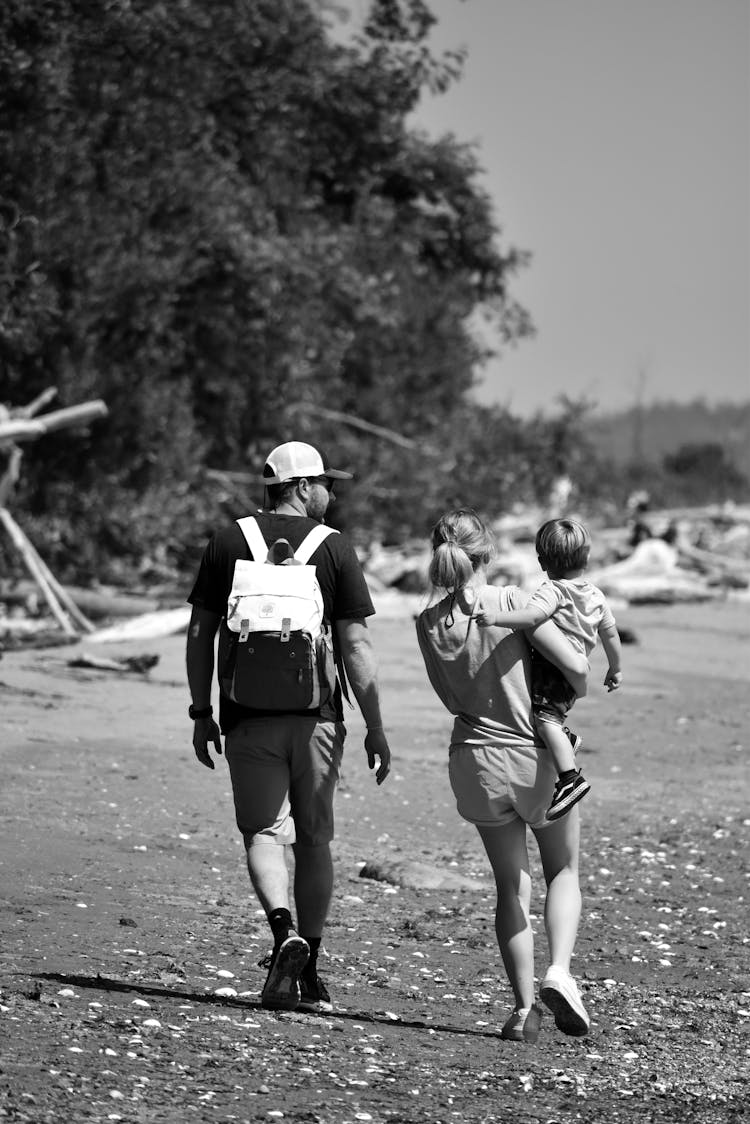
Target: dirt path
column 125, row 910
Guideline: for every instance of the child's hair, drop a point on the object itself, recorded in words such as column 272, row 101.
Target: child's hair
column 460, row 543
column 562, row 545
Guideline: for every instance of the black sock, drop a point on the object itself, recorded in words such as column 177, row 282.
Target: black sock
column 280, row 921
column 568, row 775
column 314, row 943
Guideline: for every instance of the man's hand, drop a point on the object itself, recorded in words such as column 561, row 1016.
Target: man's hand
column 612, row 680
column 205, row 731
column 376, row 745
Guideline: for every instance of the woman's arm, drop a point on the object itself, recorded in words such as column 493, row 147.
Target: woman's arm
column 552, row 643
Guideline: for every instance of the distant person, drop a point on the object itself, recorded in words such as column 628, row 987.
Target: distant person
column 284, row 757
column 501, row 780
column 580, row 611
column 640, row 530
column 671, row 533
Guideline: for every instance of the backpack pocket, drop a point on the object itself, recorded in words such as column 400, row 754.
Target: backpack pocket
column 266, row 673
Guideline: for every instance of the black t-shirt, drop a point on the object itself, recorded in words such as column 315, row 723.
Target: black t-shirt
column 338, row 570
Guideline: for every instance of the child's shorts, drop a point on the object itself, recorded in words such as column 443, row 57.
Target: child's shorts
column 551, row 694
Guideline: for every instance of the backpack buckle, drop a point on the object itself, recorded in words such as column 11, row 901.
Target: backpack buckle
column 286, row 630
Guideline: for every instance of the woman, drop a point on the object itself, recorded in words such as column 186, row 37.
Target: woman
column 501, row 775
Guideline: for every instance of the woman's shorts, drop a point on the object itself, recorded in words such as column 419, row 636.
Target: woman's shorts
column 496, row 784
column 284, row 774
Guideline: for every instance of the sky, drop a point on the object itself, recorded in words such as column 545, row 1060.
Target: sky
column 614, row 137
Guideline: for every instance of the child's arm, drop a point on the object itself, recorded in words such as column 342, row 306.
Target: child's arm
column 529, row 617
column 539, row 608
column 610, row 639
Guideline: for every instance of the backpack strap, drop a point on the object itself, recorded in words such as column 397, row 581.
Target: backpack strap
column 311, row 542
column 254, row 538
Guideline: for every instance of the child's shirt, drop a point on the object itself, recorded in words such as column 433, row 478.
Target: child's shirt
column 579, row 609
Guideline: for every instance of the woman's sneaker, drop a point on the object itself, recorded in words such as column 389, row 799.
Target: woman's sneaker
column 567, row 793
column 560, row 994
column 523, row 1026
column 314, row 993
column 281, row 991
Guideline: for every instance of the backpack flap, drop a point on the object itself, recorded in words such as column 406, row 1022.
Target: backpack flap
column 265, row 596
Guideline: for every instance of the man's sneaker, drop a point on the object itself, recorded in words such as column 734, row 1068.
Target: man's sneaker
column 575, row 739
column 566, row 795
column 281, row 991
column 560, row 994
column 314, row 995
column 523, row 1026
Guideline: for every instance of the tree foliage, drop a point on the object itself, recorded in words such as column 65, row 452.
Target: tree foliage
column 217, row 219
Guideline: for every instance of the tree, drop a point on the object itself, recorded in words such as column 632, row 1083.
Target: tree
column 233, row 226
column 704, row 473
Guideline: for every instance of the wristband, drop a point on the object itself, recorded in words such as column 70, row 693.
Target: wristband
column 373, row 729
column 200, row 711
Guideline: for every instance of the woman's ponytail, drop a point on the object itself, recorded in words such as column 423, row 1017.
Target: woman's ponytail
column 460, row 543
column 450, row 566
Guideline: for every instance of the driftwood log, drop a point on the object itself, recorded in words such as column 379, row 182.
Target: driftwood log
column 15, row 429
column 22, row 424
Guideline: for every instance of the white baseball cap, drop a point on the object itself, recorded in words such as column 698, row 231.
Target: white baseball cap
column 294, row 459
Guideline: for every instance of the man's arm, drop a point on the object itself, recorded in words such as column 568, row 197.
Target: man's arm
column 552, row 643
column 361, row 669
column 199, row 659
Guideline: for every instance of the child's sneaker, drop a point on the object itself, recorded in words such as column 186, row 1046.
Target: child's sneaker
column 567, row 793
column 281, row 991
column 575, row 739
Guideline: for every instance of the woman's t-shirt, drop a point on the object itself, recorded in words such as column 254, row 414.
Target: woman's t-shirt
column 480, row 673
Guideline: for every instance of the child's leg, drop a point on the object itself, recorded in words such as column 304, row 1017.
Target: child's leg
column 571, row 785
column 558, row 743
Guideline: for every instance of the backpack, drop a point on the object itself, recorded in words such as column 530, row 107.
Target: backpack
column 277, row 649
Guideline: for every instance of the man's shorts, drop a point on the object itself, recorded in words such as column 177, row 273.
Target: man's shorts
column 284, row 772
column 496, row 784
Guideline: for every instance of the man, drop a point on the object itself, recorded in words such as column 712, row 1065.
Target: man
column 284, row 766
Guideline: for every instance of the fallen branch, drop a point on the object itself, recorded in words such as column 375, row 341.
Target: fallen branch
column 94, row 603
column 38, row 571
column 27, row 429
column 365, row 426
column 167, row 622
column 710, row 560
column 37, row 403
column 139, row 664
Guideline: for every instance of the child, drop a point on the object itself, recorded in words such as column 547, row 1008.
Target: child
column 580, row 610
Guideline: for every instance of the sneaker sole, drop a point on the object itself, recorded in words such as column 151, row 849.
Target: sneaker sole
column 282, row 990
column 315, row 1006
column 567, row 1019
column 568, row 802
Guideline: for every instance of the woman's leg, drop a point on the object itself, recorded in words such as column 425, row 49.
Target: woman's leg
column 558, row 848
column 506, row 849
